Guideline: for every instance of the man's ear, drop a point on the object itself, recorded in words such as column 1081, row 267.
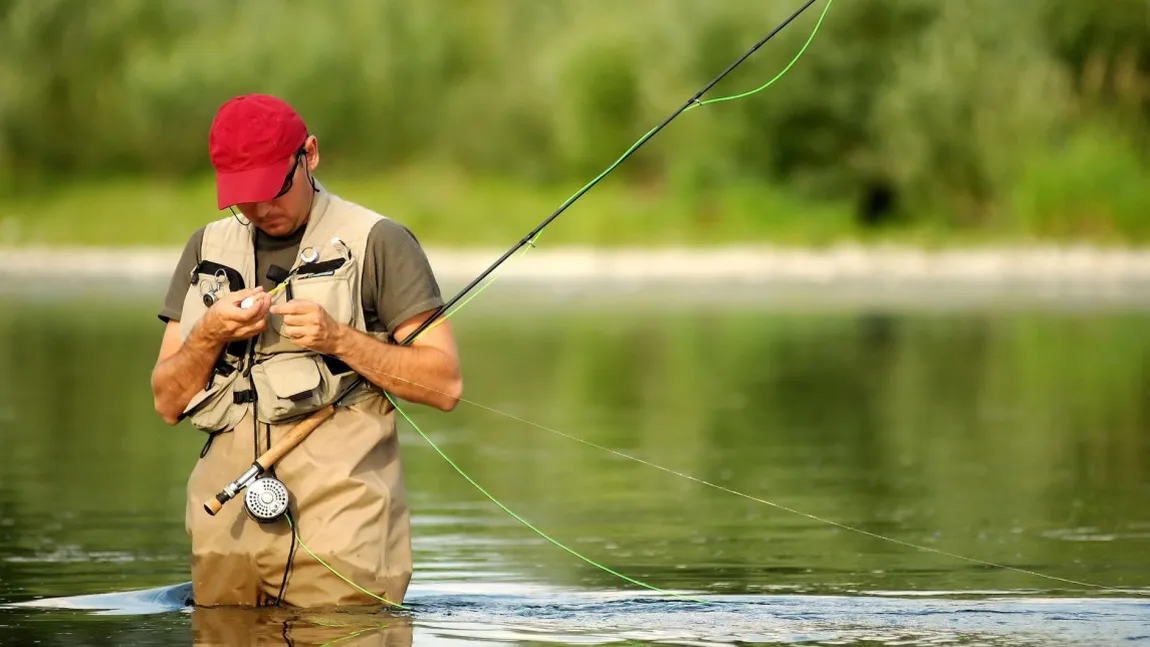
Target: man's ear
column 312, row 148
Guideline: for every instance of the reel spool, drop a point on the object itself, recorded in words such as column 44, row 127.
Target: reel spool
column 266, row 499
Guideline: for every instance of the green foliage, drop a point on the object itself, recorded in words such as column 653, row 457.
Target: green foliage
column 946, row 104
column 968, row 99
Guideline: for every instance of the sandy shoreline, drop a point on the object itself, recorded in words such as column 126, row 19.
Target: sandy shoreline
column 761, row 264
column 851, row 277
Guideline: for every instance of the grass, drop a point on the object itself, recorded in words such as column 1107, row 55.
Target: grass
column 442, row 208
column 448, row 208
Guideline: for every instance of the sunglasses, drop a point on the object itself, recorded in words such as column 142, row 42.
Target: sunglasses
column 290, row 179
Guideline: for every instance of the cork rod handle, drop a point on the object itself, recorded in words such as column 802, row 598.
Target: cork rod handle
column 294, row 437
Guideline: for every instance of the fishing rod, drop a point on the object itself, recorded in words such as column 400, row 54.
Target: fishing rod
column 270, row 502
column 294, row 438
column 527, row 240
column 534, row 233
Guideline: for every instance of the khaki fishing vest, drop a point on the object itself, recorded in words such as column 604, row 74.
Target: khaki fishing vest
column 283, row 380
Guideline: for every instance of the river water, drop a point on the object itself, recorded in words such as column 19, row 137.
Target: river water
column 888, row 454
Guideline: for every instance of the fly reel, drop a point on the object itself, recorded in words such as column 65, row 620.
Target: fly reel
column 266, row 499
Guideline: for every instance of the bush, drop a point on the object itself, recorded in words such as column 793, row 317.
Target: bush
column 936, row 106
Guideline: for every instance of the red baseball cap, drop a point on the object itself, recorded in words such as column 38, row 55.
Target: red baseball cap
column 251, row 144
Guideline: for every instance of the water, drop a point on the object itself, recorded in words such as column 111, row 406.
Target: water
column 1011, row 435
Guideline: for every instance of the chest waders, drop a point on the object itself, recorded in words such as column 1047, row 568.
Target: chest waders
column 344, row 494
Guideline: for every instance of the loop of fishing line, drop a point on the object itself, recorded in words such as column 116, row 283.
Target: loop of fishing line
column 693, row 102
column 529, row 525
column 716, row 486
column 528, row 243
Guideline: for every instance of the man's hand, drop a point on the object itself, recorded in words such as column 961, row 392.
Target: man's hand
column 226, row 321
column 309, row 326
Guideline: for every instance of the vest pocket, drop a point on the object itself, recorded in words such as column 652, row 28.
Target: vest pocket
column 331, row 284
column 212, row 409
column 289, row 385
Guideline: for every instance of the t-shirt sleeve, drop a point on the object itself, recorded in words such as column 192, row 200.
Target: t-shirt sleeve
column 178, row 286
column 399, row 281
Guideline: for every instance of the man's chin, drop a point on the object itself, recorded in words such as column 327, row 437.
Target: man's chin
column 278, row 229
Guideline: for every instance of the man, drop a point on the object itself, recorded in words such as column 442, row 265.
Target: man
column 353, row 283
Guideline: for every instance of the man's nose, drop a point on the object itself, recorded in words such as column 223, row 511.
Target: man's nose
column 260, row 209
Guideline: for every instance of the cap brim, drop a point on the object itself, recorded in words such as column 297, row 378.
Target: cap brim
column 253, row 185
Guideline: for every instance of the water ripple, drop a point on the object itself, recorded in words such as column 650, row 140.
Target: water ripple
column 522, row 613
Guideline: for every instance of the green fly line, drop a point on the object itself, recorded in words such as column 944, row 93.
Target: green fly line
column 337, row 573
column 529, row 244
column 756, row 499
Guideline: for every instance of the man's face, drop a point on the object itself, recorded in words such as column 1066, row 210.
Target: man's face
column 288, row 211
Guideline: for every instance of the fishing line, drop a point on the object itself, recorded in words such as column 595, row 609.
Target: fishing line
column 528, row 523
column 716, row 486
column 692, row 103
column 527, row 243
column 355, row 586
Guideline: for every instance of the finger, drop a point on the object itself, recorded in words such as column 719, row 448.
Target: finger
column 247, row 309
column 295, row 306
column 297, row 330
column 289, row 330
column 245, row 316
column 235, row 298
column 259, row 325
column 257, row 302
column 263, row 305
column 305, row 319
column 297, row 339
column 249, row 331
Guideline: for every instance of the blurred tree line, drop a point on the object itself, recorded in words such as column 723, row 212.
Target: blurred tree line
column 1030, row 114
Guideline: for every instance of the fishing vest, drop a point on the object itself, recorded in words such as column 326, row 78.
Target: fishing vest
column 268, row 374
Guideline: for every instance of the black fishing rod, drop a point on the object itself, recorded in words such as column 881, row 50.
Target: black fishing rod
column 534, row 232
column 256, row 473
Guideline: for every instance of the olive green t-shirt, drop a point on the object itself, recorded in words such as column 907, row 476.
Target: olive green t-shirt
column 398, row 282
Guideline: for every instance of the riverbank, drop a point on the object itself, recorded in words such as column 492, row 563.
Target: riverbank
column 452, row 208
column 561, row 265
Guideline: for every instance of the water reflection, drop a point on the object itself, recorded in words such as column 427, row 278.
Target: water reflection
column 1013, row 437
column 231, row 627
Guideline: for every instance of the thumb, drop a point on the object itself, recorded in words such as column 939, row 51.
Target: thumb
column 235, row 298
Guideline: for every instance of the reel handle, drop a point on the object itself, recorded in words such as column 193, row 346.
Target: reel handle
column 270, row 457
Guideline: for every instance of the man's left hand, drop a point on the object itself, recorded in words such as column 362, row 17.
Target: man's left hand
column 308, row 325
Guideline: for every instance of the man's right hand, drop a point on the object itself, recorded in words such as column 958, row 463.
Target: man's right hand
column 226, row 321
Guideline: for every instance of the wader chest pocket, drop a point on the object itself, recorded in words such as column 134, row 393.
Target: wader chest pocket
column 287, row 386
